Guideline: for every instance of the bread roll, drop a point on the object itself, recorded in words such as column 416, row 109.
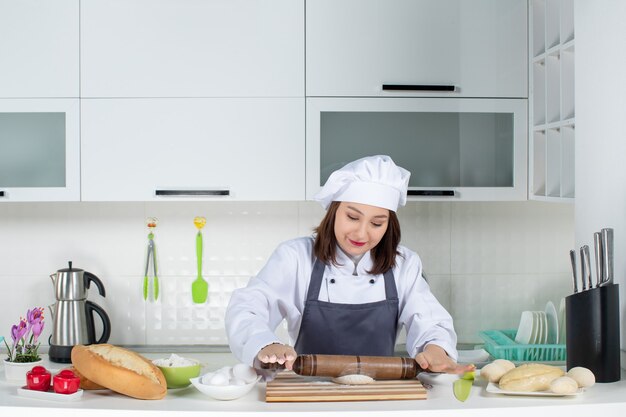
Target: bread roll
column 530, row 377
column 493, row 371
column 564, row 385
column 120, row 370
column 583, row 376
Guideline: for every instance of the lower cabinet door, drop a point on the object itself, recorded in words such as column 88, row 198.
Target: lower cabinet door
column 206, row 149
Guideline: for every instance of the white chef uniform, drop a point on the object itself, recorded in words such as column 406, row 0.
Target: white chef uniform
column 279, row 292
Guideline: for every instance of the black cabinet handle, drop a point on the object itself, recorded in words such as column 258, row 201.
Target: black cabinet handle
column 431, row 193
column 417, row 87
column 1, row 193
column 192, row 193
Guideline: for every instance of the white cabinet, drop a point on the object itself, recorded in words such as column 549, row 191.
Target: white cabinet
column 39, row 150
column 479, row 47
column 229, row 148
column 39, row 48
column 192, row 48
column 552, row 113
column 456, row 149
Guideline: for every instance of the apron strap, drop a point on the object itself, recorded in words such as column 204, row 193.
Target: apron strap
column 316, row 281
column 391, row 291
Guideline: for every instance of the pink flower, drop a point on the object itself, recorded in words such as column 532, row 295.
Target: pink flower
column 37, row 328
column 18, row 331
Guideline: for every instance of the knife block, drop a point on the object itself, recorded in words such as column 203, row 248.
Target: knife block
column 593, row 332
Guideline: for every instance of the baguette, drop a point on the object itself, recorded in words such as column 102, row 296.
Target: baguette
column 530, row 377
column 120, row 370
column 85, row 383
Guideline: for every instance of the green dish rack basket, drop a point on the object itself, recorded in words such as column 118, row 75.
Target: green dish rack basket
column 501, row 344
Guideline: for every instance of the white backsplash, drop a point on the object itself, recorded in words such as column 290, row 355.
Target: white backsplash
column 485, row 262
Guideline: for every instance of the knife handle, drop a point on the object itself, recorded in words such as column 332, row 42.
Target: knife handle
column 587, row 266
column 583, row 268
column 598, row 254
column 607, row 264
column 572, row 257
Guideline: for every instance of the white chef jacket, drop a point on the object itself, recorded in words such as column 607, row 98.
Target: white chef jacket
column 279, row 291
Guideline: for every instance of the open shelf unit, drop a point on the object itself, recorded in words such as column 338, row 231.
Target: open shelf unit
column 552, row 113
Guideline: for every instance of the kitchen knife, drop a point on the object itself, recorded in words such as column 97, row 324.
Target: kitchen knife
column 572, row 257
column 607, row 259
column 597, row 244
column 583, row 269
column 587, row 261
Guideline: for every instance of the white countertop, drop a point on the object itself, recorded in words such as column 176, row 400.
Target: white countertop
column 601, row 399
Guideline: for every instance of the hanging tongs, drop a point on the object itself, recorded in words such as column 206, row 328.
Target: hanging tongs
column 151, row 222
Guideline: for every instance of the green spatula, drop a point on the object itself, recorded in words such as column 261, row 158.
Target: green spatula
column 199, row 287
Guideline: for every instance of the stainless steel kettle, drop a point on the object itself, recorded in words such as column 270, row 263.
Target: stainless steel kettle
column 73, row 315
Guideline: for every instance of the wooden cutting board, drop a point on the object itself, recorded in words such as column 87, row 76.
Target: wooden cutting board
column 289, row 387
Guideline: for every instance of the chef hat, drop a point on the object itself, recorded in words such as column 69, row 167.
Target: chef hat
column 373, row 180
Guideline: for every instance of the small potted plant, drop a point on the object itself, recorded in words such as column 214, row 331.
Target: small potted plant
column 23, row 355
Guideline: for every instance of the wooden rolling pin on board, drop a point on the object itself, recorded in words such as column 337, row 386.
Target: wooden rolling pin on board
column 377, row 367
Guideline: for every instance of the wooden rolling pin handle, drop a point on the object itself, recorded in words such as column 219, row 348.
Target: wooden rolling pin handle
column 377, row 367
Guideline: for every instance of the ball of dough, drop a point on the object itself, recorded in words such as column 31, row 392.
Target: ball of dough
column 244, row 372
column 508, row 365
column 353, row 379
column 492, row 372
column 564, row 385
column 583, row 376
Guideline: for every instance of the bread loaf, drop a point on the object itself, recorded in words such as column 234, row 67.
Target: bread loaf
column 120, row 370
column 85, row 383
column 530, row 377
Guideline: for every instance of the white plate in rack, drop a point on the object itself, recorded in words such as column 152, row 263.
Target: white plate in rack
column 553, row 324
column 494, row 389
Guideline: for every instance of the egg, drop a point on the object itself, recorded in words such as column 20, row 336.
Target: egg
column 244, row 372
column 219, row 378
column 492, row 372
column 206, row 378
column 506, row 364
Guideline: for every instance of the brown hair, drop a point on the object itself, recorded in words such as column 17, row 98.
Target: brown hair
column 384, row 254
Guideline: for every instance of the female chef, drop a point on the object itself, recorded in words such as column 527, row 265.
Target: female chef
column 349, row 288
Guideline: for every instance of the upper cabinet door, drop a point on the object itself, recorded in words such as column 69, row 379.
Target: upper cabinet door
column 476, row 48
column 39, row 150
column 192, row 48
column 211, row 148
column 39, row 48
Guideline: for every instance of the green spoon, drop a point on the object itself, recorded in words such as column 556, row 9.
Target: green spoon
column 199, row 287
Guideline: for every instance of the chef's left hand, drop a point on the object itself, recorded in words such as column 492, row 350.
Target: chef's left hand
column 435, row 359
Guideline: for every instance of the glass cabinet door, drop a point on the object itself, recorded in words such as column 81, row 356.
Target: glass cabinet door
column 470, row 149
column 39, row 152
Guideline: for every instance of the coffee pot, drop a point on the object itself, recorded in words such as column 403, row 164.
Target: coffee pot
column 73, row 315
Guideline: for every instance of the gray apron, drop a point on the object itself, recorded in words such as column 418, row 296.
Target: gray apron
column 367, row 329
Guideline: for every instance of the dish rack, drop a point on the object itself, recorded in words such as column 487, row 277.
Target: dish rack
column 501, row 344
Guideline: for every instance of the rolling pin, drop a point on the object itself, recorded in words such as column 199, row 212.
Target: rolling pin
column 377, row 367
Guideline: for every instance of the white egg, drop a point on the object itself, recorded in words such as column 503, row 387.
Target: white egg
column 206, row 378
column 564, row 385
column 219, row 378
column 583, row 376
column 227, row 371
column 237, row 381
column 244, row 372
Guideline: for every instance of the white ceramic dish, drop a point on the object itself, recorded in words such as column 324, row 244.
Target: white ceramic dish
column 49, row 395
column 223, row 392
column 525, row 329
column 553, row 323
column 494, row 389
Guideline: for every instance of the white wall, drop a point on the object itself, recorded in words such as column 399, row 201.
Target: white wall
column 486, row 262
column 601, row 129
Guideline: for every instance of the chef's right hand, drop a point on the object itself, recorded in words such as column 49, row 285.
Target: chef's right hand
column 278, row 353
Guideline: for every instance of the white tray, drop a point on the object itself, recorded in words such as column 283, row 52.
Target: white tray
column 494, row 389
column 49, row 395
